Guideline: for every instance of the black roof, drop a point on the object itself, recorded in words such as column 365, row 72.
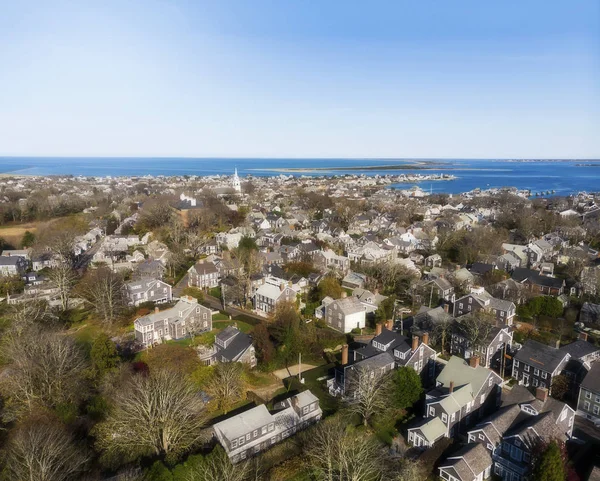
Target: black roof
column 480, row 268
column 541, row 356
column 521, row 274
column 397, row 339
column 238, row 345
column 579, row 349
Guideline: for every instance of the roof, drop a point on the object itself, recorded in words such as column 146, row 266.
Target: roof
column 348, row 305
column 521, row 274
column 269, row 291
column 469, row 461
column 433, row 429
column 459, row 372
column 501, row 421
column 540, row 355
column 591, row 381
column 240, row 343
column 10, row 260
column 590, row 312
column 244, row 423
column 579, row 349
column 203, row 268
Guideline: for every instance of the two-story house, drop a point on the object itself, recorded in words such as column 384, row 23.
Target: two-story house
column 512, row 434
column 232, row 345
column 491, row 349
column 438, row 287
column 13, row 265
column 345, row 314
column 538, row 283
column 148, row 290
column 502, row 310
column 465, row 392
column 328, row 259
column 268, row 296
column 535, row 364
column 246, row 434
column 186, row 318
column 470, row 463
column 203, row 275
column 588, row 403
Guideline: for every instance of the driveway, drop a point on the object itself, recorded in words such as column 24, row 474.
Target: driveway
column 292, row 371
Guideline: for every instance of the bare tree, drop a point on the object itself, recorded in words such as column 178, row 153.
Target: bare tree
column 104, row 290
column 441, row 331
column 63, row 278
column 25, row 315
column 43, row 450
column 369, row 392
column 476, row 328
column 226, row 384
column 337, row 453
column 47, row 369
column 160, row 413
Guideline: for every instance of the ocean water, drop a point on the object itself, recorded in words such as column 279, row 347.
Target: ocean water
column 564, row 177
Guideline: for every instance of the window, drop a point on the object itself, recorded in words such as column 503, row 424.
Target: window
column 526, row 367
column 490, row 447
column 305, row 410
column 482, row 437
column 586, row 405
column 471, row 438
column 248, row 437
column 470, row 300
column 544, row 375
column 453, row 417
column 234, row 444
column 241, row 440
column 431, row 411
column 271, row 426
column 313, row 407
column 536, row 371
column 491, row 381
column 596, row 409
column 263, row 430
column 516, row 363
column 543, row 384
column 588, row 395
column 444, row 417
column 535, row 382
column 255, row 433
column 597, row 399
column 482, row 398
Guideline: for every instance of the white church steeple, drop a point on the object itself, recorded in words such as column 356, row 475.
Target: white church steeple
column 235, row 182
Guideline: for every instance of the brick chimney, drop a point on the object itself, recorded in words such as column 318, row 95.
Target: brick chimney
column 474, row 361
column 425, row 338
column 541, row 393
column 344, row 354
column 583, row 336
column 451, row 387
column 156, row 310
column 389, row 324
column 415, row 343
column 378, row 329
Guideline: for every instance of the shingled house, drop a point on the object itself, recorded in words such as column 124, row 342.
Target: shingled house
column 246, row 434
column 185, row 318
column 465, row 392
column 588, row 403
column 148, row 290
column 478, row 299
column 471, row 463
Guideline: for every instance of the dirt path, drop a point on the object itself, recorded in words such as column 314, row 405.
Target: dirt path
column 292, row 371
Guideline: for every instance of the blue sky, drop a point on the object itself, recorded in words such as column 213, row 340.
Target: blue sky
column 300, row 78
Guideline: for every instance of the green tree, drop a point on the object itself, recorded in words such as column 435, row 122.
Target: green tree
column 549, row 466
column 407, row 387
column 159, row 472
column 385, row 310
column 28, row 239
column 329, row 287
column 560, row 386
column 104, row 355
column 263, row 344
column 248, row 244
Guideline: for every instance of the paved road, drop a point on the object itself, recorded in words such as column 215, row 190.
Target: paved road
column 180, row 286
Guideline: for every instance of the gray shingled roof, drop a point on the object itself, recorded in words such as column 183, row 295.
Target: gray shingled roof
column 579, row 349
column 539, row 355
column 591, row 382
column 469, row 461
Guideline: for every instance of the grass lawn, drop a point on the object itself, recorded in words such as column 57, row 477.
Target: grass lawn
column 220, row 317
column 328, row 403
column 241, row 325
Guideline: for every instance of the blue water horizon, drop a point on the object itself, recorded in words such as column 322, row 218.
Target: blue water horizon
column 564, row 177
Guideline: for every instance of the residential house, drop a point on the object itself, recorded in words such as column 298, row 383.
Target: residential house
column 246, row 434
column 268, row 296
column 588, row 402
column 370, row 300
column 470, row 463
column 231, row 345
column 535, row 364
column 536, row 282
column 44, row 260
column 434, row 260
column 345, row 314
column 590, row 313
column 187, row 317
column 203, row 275
column 503, row 311
column 151, row 269
column 330, row 260
column 354, row 280
column 465, row 392
column 13, row 265
column 148, row 290
column 438, row 286
column 512, row 433
column 492, row 349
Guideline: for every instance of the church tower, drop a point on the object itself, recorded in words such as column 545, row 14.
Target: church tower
column 235, row 182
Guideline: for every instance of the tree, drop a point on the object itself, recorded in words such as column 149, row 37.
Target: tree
column 214, row 467
column 549, row 466
column 28, row 239
column 154, row 414
column 476, row 328
column 329, row 287
column 46, row 369
column 288, row 330
column 560, row 387
column 226, row 384
column 104, row 355
column 43, row 450
column 335, row 452
column 63, row 277
column 263, row 344
column 104, row 290
column 370, row 392
column 442, row 329
column 407, row 387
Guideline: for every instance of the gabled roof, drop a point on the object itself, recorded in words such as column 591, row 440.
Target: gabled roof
column 541, row 356
column 579, row 349
column 459, row 372
column 521, row 274
column 433, row 429
column 469, row 461
column 591, row 382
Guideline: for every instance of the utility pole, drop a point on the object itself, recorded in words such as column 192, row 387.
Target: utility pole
column 431, row 296
column 300, row 366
